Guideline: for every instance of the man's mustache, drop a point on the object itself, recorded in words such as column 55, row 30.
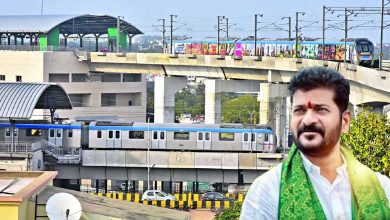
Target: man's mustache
column 311, row 128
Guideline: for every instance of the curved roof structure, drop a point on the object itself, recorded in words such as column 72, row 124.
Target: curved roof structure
column 18, row 100
column 68, row 24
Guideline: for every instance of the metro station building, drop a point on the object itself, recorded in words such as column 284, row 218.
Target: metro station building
column 36, row 48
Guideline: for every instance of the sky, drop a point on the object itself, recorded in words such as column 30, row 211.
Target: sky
column 198, row 19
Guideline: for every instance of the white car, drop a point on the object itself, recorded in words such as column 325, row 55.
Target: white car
column 157, row 195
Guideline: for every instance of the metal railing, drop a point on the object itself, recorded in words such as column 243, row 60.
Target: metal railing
column 18, row 147
column 386, row 65
column 63, row 155
column 34, row 48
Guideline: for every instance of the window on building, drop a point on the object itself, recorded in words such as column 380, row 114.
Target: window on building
column 18, row 78
column 136, row 135
column 2, row 77
column 30, row 132
column 226, row 136
column 181, row 135
column 133, row 77
column 99, row 134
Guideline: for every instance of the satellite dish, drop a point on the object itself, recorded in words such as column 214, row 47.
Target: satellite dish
column 63, row 206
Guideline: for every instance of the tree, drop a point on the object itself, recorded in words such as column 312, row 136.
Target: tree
column 243, row 109
column 369, row 140
column 231, row 213
column 190, row 100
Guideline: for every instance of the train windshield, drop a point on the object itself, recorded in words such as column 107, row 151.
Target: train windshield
column 364, row 47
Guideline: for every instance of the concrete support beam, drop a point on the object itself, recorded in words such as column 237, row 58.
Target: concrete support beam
column 164, row 97
column 212, row 102
column 213, row 91
column 264, row 100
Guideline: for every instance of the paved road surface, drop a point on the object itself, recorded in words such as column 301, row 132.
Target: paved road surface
column 197, row 214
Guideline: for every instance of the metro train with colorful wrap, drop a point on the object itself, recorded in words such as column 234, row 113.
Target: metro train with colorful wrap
column 138, row 136
column 358, row 51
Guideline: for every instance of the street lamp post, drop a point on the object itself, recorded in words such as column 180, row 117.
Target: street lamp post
column 256, row 29
column 296, row 32
column 148, row 154
column 289, row 27
column 163, row 33
column 219, row 18
column 171, row 43
column 381, row 49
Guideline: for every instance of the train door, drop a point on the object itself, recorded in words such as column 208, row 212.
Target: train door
column 253, row 142
column 260, row 142
column 7, row 135
column 203, row 140
column 207, row 140
column 110, row 139
column 58, row 138
column 267, row 146
column 155, row 136
column 162, row 142
column 199, row 140
column 52, row 135
column 245, row 141
column 117, row 139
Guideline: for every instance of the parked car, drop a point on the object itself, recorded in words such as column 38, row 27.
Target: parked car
column 157, row 195
column 214, row 196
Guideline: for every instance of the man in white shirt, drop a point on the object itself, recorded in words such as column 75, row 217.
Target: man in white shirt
column 320, row 179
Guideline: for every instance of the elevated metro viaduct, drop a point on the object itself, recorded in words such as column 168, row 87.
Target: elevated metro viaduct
column 267, row 76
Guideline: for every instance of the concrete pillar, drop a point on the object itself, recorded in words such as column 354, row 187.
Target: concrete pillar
column 212, row 102
column 97, row 186
column 164, row 97
column 264, row 103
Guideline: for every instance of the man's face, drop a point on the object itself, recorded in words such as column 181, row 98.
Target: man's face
column 316, row 121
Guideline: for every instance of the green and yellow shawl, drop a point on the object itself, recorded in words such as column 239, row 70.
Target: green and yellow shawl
column 298, row 199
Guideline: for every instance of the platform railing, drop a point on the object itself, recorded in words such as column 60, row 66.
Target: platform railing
column 18, row 147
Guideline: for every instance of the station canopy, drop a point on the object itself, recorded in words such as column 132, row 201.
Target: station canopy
column 67, row 24
column 18, row 100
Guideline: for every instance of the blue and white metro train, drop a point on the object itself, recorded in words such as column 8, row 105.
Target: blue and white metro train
column 164, row 136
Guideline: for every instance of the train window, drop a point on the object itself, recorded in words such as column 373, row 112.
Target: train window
column 200, row 136
column 7, row 132
column 51, row 133
column 181, row 135
column 245, row 136
column 265, row 137
column 99, row 134
column 225, row 136
column 253, row 137
column 70, row 133
column 207, row 136
column 110, row 134
column 117, row 134
column 136, row 135
column 58, row 132
column 162, row 135
column 154, row 135
column 33, row 132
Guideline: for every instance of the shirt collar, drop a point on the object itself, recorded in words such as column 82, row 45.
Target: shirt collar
column 314, row 169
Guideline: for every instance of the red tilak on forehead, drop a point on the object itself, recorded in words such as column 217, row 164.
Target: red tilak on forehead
column 309, row 105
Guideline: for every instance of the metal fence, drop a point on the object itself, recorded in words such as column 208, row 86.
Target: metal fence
column 18, row 147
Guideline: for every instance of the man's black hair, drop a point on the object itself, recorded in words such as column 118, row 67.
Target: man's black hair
column 321, row 77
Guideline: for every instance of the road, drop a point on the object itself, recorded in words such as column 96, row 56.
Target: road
column 202, row 214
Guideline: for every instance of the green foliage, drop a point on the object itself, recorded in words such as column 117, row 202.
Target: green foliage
column 369, row 140
column 190, row 100
column 231, row 213
column 243, row 109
